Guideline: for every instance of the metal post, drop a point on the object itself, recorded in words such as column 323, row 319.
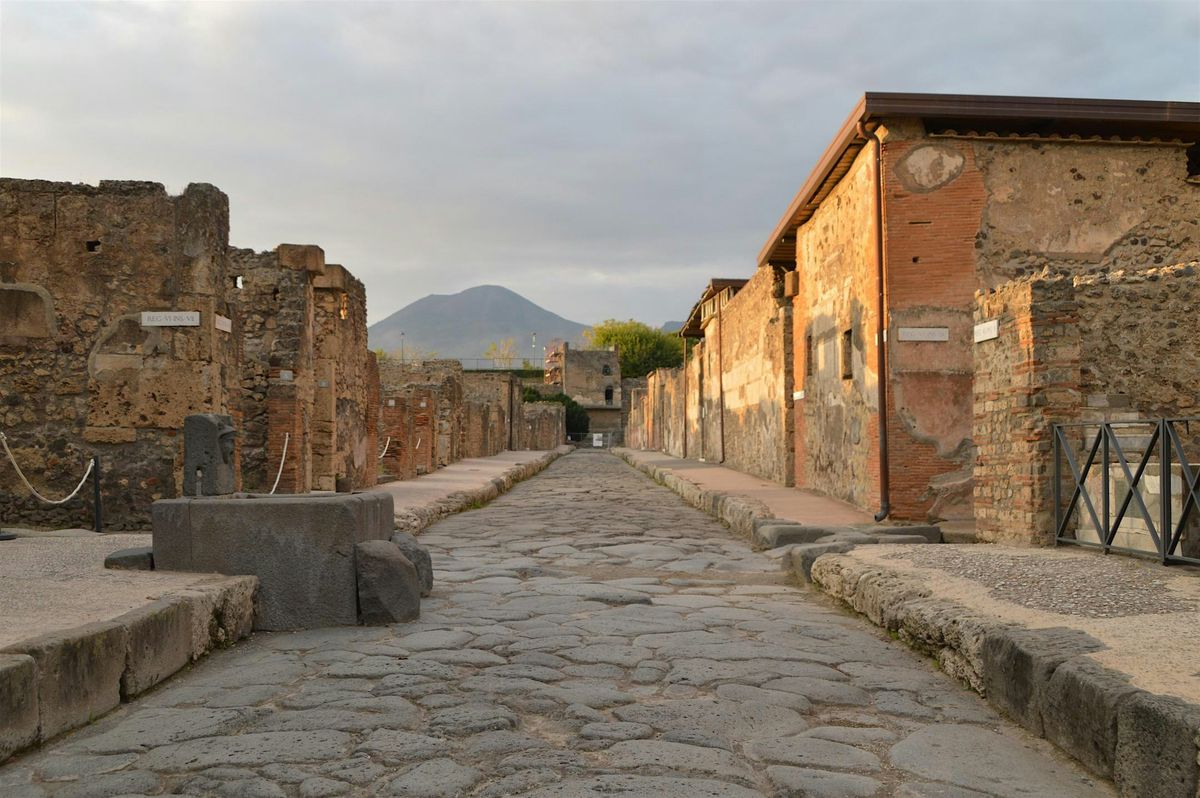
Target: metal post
column 1164, row 490
column 1104, row 476
column 1057, row 486
column 97, row 505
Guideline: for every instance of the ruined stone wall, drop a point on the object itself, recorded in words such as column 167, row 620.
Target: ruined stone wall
column 592, row 377
column 1026, row 380
column 962, row 213
column 834, row 320
column 544, row 425
column 494, row 398
column 628, row 385
column 345, row 439
column 397, row 431
column 636, row 421
column 1072, row 348
column 753, row 331
column 1138, row 335
column 276, row 305
column 79, row 373
column 434, row 389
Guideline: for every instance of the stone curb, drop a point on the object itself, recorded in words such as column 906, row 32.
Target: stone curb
column 1041, row 678
column 737, row 512
column 52, row 684
column 414, row 519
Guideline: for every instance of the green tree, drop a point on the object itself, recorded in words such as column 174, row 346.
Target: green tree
column 640, row 347
column 577, row 417
column 503, row 352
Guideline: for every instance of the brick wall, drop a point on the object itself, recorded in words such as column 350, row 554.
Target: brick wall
column 79, row 374
column 1026, row 380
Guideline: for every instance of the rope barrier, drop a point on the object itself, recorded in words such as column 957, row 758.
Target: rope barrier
column 286, row 437
column 32, row 489
column 385, row 447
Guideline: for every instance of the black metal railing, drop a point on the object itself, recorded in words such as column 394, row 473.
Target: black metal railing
column 1105, row 449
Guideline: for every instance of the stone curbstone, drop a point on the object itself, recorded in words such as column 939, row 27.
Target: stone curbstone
column 18, row 703
column 66, row 679
column 78, row 674
column 801, row 557
column 1080, row 708
column 135, row 559
column 1157, row 743
column 1018, row 663
column 158, row 643
column 1149, row 744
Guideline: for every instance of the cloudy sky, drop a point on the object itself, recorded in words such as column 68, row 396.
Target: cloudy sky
column 602, row 159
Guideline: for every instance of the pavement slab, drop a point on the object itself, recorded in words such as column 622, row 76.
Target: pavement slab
column 598, row 637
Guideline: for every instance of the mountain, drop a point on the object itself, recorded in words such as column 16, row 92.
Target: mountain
column 462, row 325
column 672, row 326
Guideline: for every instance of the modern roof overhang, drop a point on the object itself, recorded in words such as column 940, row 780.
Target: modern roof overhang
column 694, row 326
column 1009, row 116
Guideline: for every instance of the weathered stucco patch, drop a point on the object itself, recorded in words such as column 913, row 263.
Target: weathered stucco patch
column 929, row 167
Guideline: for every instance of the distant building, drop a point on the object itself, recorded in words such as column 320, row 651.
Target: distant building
column 591, row 377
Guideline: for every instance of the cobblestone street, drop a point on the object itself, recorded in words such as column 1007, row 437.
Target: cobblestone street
column 589, row 635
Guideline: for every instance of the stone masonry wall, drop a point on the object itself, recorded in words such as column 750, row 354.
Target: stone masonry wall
column 493, row 399
column 345, row 439
column 544, row 425
column 1026, row 380
column 276, row 305
column 836, row 404
column 79, row 373
column 754, row 332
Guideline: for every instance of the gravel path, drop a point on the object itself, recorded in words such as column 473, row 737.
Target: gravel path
column 1088, row 586
column 589, row 635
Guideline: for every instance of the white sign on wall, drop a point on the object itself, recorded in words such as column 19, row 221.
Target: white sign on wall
column 223, row 323
column 986, row 331
column 924, row 333
column 171, row 318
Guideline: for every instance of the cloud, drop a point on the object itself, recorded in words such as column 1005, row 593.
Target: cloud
column 604, row 160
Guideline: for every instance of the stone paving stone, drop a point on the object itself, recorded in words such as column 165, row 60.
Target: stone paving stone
column 588, row 635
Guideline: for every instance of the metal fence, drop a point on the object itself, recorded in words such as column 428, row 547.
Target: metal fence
column 595, row 440
column 1145, row 474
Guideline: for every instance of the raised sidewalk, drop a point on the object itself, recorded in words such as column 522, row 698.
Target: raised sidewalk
column 1095, row 653
column 77, row 639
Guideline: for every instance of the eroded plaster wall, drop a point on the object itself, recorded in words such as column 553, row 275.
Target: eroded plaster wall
column 754, row 333
column 79, row 373
column 834, row 343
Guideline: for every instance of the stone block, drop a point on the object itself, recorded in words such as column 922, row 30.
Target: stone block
column 136, row 559
column 802, row 557
column 389, row 590
column 1157, row 738
column 208, row 456
column 1079, row 712
column 78, row 674
column 18, row 703
column 301, row 548
column 159, row 644
column 783, row 533
column 931, row 533
column 1018, row 663
column 418, row 555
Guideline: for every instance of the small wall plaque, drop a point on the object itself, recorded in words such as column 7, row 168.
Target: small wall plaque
column 223, row 323
column 285, row 375
column 798, row 395
column 924, row 334
column 986, row 331
column 170, row 318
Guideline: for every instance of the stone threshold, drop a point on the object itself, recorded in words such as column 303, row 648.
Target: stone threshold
column 1042, row 678
column 60, row 681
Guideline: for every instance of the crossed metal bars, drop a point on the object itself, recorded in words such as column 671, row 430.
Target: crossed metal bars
column 1164, row 440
